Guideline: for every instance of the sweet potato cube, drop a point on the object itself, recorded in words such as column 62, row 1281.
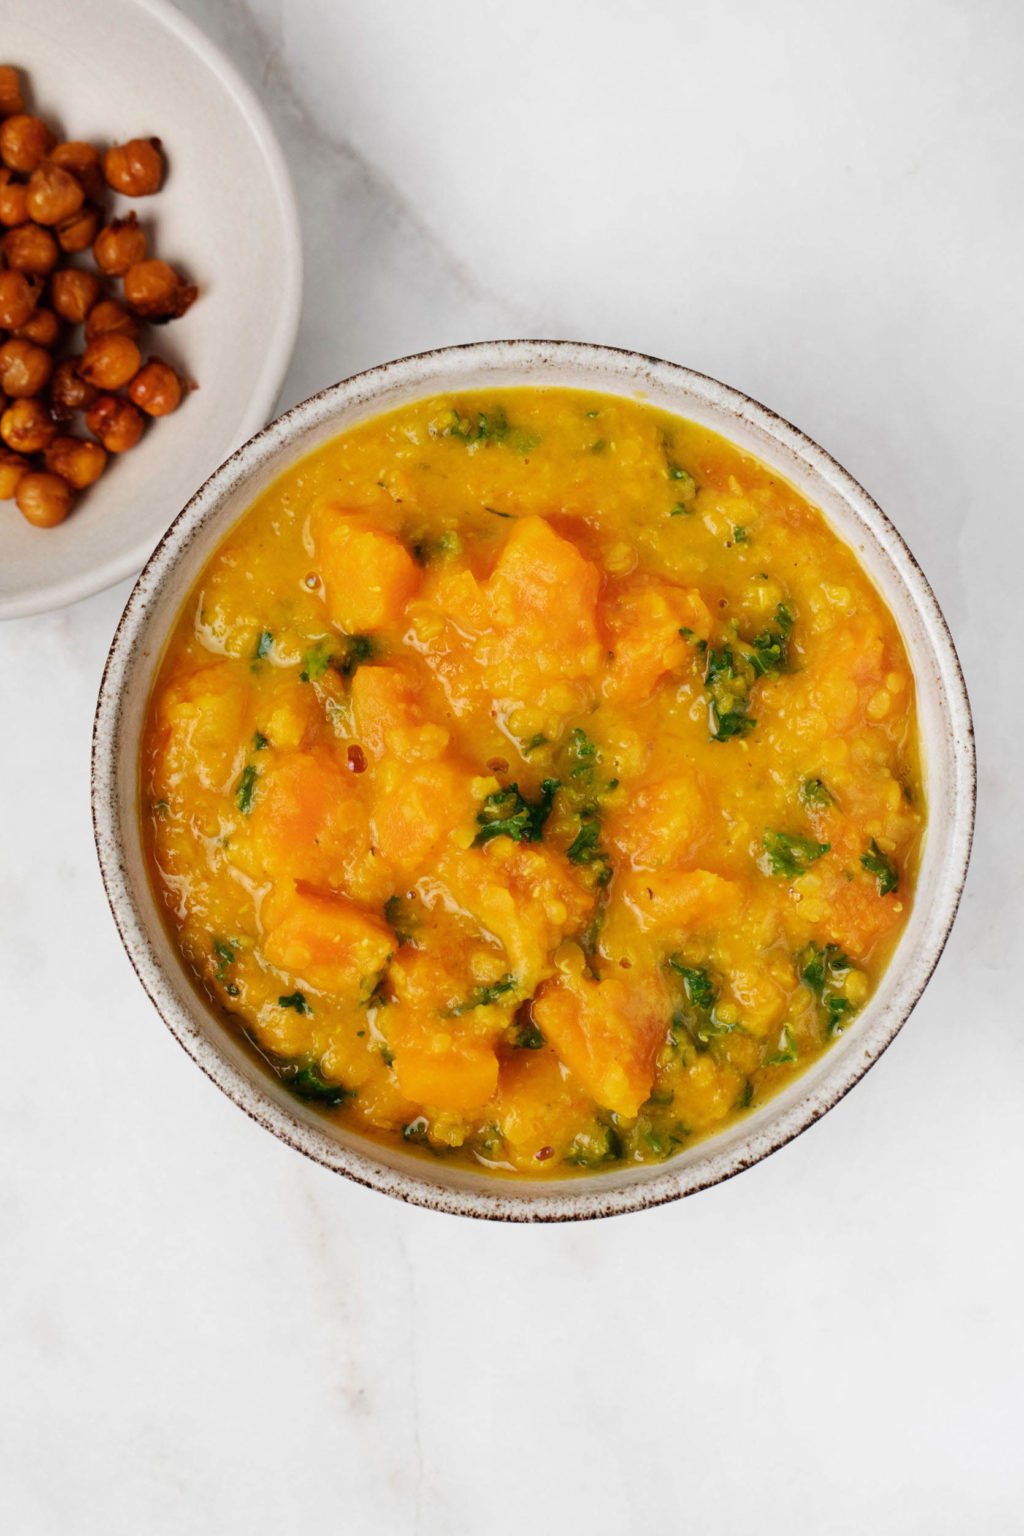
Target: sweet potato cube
column 324, row 939
column 607, row 1033
column 643, row 622
column 418, row 808
column 448, row 1074
column 368, row 574
column 388, row 717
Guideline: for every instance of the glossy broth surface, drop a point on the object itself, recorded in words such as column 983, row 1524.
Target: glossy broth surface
column 533, row 777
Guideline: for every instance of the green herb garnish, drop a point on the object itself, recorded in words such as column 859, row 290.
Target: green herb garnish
column 882, row 867
column 815, row 794
column 484, row 997
column 264, row 645
column 789, row 854
column 246, row 789
column 786, row 1051
column 824, row 970
column 506, row 813
column 295, row 1000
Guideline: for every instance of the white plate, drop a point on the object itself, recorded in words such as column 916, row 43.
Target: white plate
column 108, row 70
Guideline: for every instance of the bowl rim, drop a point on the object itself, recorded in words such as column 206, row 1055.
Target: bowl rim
column 591, row 1197
column 41, row 597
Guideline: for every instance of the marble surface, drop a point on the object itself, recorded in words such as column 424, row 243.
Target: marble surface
column 200, row 1332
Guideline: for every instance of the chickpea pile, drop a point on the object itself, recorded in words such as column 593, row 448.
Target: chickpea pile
column 52, row 197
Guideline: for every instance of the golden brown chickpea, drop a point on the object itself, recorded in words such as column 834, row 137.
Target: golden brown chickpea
column 78, row 233
column 24, row 368
column 69, row 393
column 73, row 293
column 109, row 316
column 45, row 500
column 30, row 248
column 76, row 460
column 12, row 467
column 25, row 142
column 42, row 327
column 83, row 161
column 109, row 362
column 135, row 168
column 11, row 99
column 156, row 292
column 117, row 423
column 27, row 426
column 156, row 388
column 53, row 194
column 18, row 297
column 119, row 246
column 13, row 199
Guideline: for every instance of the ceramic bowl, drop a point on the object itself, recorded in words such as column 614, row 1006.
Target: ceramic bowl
column 945, row 730
column 107, row 70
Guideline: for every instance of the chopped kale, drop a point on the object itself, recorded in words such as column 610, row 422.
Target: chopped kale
column 416, row 1130
column 225, row 955
column 527, row 1037
column 540, row 740
column 728, row 691
column 264, row 645
column 307, row 1082
column 684, row 487
column 741, row 535
column 296, row 1000
column 402, row 917
column 354, row 651
column 246, row 789
column 815, row 794
column 696, row 1012
column 586, row 849
column 785, row 1052
column 789, row 854
column 259, row 742
column 506, row 813
column 484, row 997
column 316, row 661
column 589, row 1149
column 882, row 867
column 769, row 649
column 824, row 970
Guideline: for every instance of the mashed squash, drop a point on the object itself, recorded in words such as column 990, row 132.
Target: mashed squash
column 533, row 778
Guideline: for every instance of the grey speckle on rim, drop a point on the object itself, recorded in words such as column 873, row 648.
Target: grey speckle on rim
column 946, row 733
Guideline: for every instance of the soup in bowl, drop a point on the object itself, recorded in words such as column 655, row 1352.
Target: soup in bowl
column 532, row 755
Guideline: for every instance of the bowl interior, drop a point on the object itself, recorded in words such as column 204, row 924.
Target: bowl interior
column 946, row 748
column 108, row 70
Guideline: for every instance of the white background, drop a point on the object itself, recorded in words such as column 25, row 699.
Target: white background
column 822, row 204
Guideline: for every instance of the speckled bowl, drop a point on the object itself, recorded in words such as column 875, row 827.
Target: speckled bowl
column 947, row 741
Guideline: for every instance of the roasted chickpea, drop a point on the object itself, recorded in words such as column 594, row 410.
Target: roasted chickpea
column 24, row 368
column 83, row 161
column 135, row 168
column 30, row 248
column 27, row 426
column 11, row 99
column 53, row 194
column 110, row 361
column 44, row 499
column 109, row 316
column 25, row 142
column 119, row 246
column 73, row 293
column 117, row 423
column 18, row 296
column 156, row 388
column 78, row 233
column 68, row 392
column 13, row 199
column 12, row 467
column 156, row 292
column 42, row 327
column 78, row 461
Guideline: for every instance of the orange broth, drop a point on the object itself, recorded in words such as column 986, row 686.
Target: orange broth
column 533, row 777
